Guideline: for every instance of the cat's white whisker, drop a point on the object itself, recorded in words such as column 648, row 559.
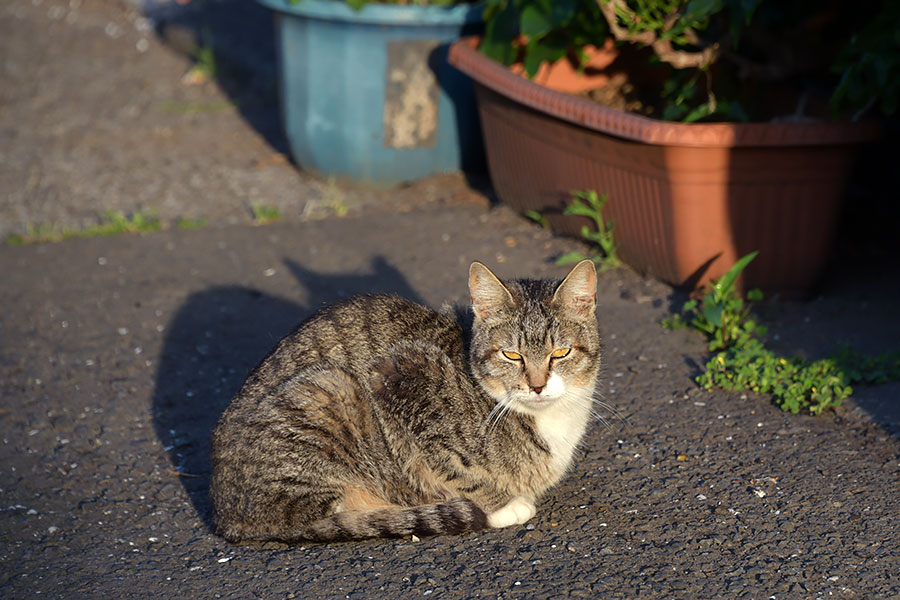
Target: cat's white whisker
column 497, row 413
column 613, row 410
column 508, row 404
column 596, row 398
column 494, row 411
column 584, row 400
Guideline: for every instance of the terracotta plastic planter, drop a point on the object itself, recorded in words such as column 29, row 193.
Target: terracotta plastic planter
column 688, row 200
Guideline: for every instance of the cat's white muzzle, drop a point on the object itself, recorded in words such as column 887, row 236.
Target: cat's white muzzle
column 553, row 391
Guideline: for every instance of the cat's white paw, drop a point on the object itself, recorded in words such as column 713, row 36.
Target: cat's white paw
column 517, row 511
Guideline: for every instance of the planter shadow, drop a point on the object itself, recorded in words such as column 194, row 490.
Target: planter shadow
column 216, row 338
column 318, row 89
column 241, row 36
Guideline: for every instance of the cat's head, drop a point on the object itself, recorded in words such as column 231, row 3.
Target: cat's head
column 534, row 342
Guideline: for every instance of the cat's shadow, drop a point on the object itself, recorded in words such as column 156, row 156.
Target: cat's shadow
column 216, row 337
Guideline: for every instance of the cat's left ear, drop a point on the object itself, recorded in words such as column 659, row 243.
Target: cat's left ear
column 578, row 291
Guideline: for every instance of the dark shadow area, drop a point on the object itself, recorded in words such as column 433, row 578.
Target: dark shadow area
column 694, row 279
column 382, row 279
column 240, row 37
column 461, row 91
column 867, row 246
column 237, row 39
column 857, row 299
column 213, row 342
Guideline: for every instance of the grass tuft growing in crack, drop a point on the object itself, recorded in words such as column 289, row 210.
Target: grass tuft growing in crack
column 111, row 222
column 263, row 213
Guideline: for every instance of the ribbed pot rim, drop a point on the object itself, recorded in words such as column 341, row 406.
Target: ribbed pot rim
column 592, row 115
column 380, row 14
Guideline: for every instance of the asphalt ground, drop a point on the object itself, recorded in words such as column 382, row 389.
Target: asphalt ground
column 118, row 353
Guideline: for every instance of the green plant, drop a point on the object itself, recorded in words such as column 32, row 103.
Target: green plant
column 722, row 315
column 205, row 57
column 185, row 223
column 588, row 204
column 111, row 222
column 263, row 213
column 537, row 218
column 881, row 368
column 206, row 67
column 722, row 59
column 793, row 383
column 334, row 198
column 538, row 31
column 869, row 67
column 742, row 362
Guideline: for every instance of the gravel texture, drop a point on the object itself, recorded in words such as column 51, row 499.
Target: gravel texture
column 117, row 354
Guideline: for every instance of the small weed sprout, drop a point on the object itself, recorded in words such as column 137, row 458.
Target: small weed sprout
column 335, row 199
column 537, row 218
column 113, row 221
column 185, row 223
column 206, row 67
column 206, row 61
column 263, row 213
column 722, row 315
column 740, row 360
column 587, row 203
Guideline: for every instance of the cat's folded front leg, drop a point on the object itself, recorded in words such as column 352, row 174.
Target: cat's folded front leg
column 517, row 511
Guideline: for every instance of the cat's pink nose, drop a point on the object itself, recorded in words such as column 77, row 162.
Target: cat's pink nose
column 537, row 389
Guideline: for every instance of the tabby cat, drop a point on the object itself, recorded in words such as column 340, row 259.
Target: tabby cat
column 380, row 417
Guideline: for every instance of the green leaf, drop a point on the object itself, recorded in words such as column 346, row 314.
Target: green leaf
column 499, row 33
column 533, row 22
column 540, row 51
column 741, row 15
column 540, row 17
column 697, row 113
column 697, row 10
column 713, row 314
column 734, row 111
column 673, row 112
column 724, row 285
column 538, row 218
column 577, row 208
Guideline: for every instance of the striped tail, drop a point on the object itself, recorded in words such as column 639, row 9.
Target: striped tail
column 456, row 515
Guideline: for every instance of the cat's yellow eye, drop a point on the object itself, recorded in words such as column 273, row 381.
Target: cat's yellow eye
column 560, row 353
column 512, row 355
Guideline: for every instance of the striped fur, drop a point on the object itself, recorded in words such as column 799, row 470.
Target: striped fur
column 456, row 515
column 378, row 417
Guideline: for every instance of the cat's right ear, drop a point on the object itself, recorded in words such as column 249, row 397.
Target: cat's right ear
column 489, row 295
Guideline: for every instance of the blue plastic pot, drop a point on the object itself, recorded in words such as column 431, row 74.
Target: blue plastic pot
column 369, row 94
